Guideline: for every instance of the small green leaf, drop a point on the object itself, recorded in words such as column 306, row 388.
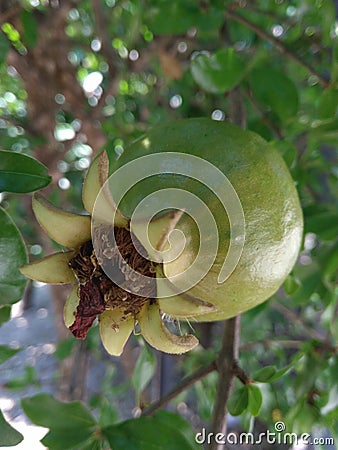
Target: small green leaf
column 65, row 348
column 21, row 173
column 264, row 374
column 238, row 401
column 288, row 152
column 4, row 47
column 327, row 14
column 178, row 423
column 29, row 378
column 291, row 285
column 5, row 314
column 12, row 256
column 328, row 103
column 274, row 91
column 279, row 373
column 66, row 439
column 218, row 73
column 147, row 433
column 323, row 222
column 30, row 28
column 144, row 370
column 167, row 17
column 7, row 352
column 255, row 399
column 8, row 435
column 302, row 417
column 44, row 410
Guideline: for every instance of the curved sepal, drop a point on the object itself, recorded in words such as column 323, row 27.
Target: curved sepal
column 114, row 331
column 68, row 229
column 72, row 302
column 158, row 336
column 96, row 177
column 52, row 269
column 154, row 238
column 180, row 305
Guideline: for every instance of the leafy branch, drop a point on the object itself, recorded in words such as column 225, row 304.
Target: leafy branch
column 277, row 44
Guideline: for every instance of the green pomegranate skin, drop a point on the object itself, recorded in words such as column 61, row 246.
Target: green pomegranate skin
column 272, row 211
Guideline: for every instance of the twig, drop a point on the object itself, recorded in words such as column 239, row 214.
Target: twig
column 180, row 387
column 107, row 49
column 277, row 44
column 286, row 343
column 237, row 113
column 290, row 315
column 265, row 117
column 271, row 14
column 227, row 368
column 101, row 28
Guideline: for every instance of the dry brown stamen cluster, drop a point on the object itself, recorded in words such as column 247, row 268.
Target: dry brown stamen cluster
column 97, row 292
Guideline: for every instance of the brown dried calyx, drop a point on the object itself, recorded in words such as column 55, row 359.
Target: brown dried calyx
column 97, row 292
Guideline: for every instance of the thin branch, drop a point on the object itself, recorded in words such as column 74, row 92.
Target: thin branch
column 277, row 44
column 227, row 368
column 278, row 17
column 180, row 387
column 293, row 317
column 240, row 373
column 237, row 113
column 275, row 129
column 101, row 31
column 107, row 49
column 267, row 343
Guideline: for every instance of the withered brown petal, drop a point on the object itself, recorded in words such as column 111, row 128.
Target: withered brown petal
column 91, row 304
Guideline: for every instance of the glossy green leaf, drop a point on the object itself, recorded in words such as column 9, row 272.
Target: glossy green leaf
column 238, row 401
column 255, row 399
column 291, row 285
column 28, row 378
column 178, row 423
column 144, row 370
column 66, row 439
column 167, row 17
column 219, row 72
column 310, row 280
column 12, row 256
column 323, row 222
column 148, row 433
column 303, row 417
column 264, row 374
column 21, row 173
column 44, row 410
column 30, row 28
column 274, row 91
column 334, row 70
column 7, row 352
column 8, row 435
column 4, row 47
column 5, row 314
column 327, row 14
column 328, row 103
column 288, row 151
